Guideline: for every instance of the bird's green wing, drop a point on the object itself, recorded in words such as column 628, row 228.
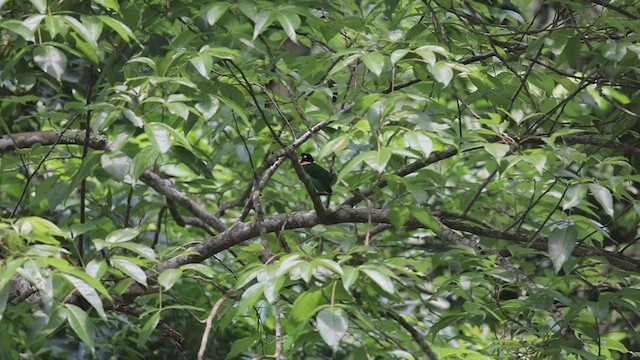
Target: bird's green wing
column 317, row 172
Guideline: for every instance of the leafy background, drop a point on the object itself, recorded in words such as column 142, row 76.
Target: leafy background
column 152, row 204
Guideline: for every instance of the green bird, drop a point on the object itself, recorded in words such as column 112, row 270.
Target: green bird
column 321, row 178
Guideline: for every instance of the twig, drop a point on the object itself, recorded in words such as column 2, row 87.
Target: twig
column 207, row 329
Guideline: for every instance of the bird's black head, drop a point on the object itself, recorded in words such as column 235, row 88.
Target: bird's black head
column 306, row 158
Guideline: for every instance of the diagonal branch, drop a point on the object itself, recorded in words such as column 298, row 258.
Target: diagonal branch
column 402, row 172
column 166, row 188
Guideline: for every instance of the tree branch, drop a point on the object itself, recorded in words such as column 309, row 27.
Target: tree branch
column 166, row 188
column 52, row 137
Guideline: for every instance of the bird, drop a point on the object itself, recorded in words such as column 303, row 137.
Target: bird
column 320, row 177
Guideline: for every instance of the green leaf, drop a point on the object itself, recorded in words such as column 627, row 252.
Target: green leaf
column 332, row 324
column 426, row 219
column 159, row 137
column 51, row 60
column 290, row 22
column 147, row 329
column 208, row 107
column 116, row 165
column 241, row 345
column 397, row 55
column 419, row 141
column 89, row 293
column 374, row 62
column 140, row 249
column 603, row 196
column 262, row 21
column 122, row 235
column 334, row 146
column 7, row 271
column 574, row 195
column 82, row 325
column 129, row 268
column 377, row 160
column 34, row 223
column 19, row 28
column 561, row 243
column 379, row 278
column 349, row 277
column 330, row 264
column 82, row 31
column 96, row 268
column 305, row 305
column 131, row 116
column 497, row 150
column 40, row 5
column 144, row 159
column 215, row 12
column 441, row 72
column 109, row 4
column 168, row 278
column 398, row 216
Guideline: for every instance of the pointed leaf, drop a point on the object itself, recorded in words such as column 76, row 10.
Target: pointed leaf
column 290, row 22
column 603, row 195
column 349, row 277
column 332, row 325
column 561, row 243
column 379, row 278
column 159, row 137
column 119, row 27
column 131, row 269
column 374, row 62
column 89, row 293
column 398, row 216
column 377, row 159
column 147, row 329
column 574, row 195
column 122, row 235
column 305, row 305
column 419, row 141
column 426, row 219
column 262, row 21
column 215, row 12
column 51, row 60
column 498, row 151
column 82, row 325
column 441, row 72
column 168, row 278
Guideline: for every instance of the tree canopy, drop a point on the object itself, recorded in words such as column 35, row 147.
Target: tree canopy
column 153, row 204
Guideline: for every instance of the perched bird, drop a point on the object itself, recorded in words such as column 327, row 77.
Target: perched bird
column 321, row 178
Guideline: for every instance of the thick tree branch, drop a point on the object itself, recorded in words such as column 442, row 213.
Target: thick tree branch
column 52, row 137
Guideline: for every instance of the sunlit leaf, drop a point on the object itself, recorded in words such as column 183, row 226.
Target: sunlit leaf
column 332, row 324
column 603, row 196
column 374, row 62
column 51, row 60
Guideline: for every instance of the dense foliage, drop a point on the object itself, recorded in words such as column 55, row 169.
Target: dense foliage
column 153, row 205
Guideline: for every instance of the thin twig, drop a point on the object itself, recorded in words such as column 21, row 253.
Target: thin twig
column 207, row 329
